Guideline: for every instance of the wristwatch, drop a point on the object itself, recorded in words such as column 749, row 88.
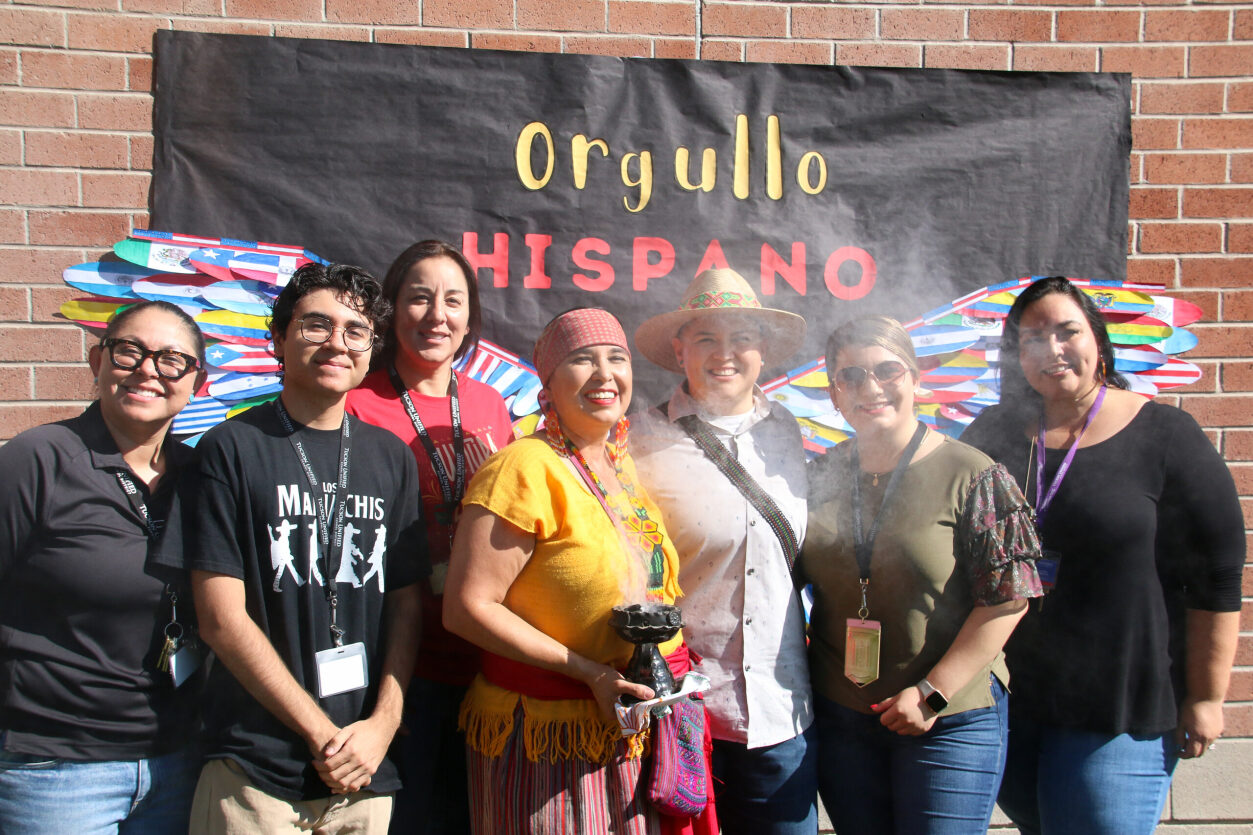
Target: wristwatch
column 934, row 698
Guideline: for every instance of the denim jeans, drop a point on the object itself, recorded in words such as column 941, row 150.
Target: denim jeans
column 1060, row 780
column 767, row 791
column 432, row 762
column 874, row 781
column 41, row 796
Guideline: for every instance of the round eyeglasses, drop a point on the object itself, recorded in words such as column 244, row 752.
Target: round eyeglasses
column 318, row 329
column 128, row 355
column 885, row 373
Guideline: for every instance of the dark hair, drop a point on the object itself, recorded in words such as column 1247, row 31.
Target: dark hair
column 395, row 279
column 1015, row 390
column 883, row 331
column 352, row 285
column 125, row 314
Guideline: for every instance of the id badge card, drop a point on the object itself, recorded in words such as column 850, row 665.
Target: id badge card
column 439, row 575
column 1047, row 567
column 184, row 662
column 861, row 650
column 341, row 669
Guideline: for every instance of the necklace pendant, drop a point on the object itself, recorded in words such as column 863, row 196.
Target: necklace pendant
column 874, row 479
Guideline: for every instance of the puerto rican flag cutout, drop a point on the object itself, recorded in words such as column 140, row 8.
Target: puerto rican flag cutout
column 245, row 359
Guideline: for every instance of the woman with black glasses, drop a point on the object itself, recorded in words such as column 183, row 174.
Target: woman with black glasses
column 94, row 726
column 921, row 554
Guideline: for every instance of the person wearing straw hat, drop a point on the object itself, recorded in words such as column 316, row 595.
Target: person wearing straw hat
column 727, row 469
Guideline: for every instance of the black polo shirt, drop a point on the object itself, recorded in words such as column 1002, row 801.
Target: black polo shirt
column 81, row 623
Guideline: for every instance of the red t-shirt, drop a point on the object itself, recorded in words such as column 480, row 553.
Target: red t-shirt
column 485, row 423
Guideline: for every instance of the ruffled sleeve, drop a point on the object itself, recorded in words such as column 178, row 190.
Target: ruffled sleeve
column 996, row 540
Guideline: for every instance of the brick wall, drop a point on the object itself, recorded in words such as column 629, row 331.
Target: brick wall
column 75, row 153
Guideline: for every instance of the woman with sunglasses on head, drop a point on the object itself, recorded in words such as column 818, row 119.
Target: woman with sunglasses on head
column 921, row 554
column 93, row 729
column 1121, row 669
column 452, row 423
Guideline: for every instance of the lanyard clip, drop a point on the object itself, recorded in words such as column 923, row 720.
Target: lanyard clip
column 337, row 634
column 864, row 611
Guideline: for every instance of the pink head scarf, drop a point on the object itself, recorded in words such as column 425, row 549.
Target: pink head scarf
column 573, row 330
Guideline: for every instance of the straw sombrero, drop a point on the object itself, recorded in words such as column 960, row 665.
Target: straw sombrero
column 720, row 291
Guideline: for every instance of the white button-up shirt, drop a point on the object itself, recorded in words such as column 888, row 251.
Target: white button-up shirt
column 741, row 612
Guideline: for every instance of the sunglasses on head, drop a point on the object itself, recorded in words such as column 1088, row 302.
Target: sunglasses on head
column 854, row 376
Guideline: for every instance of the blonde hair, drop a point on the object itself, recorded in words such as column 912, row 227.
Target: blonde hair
column 883, row 331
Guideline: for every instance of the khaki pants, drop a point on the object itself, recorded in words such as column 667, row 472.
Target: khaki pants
column 226, row 803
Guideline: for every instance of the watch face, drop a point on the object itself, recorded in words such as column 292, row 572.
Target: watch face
column 936, row 701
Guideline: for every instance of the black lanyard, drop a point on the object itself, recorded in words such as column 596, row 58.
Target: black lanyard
column 140, row 506
column 325, row 539
column 451, row 490
column 863, row 543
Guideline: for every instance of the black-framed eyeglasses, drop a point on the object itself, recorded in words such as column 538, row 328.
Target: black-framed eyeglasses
column 128, row 355
column 885, row 373
column 318, row 329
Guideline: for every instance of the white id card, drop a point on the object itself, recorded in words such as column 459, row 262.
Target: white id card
column 341, row 669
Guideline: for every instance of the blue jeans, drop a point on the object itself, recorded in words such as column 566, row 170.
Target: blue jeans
column 1060, row 780
column 41, row 796
column 875, row 781
column 767, row 791
column 432, row 763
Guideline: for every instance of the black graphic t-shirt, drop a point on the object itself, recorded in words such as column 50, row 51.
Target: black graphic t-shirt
column 256, row 519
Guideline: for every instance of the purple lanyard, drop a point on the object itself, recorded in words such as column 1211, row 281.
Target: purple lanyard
column 1043, row 500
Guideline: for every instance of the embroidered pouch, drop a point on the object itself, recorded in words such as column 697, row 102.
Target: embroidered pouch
column 679, row 780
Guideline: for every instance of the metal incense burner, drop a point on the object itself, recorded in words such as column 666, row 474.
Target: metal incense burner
column 646, row 625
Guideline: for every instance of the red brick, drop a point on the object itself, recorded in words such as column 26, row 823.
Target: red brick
column 1216, row 272
column 721, row 51
column 18, row 417
column 921, row 24
column 1226, row 60
column 139, row 73
column 76, row 149
column 830, row 22
column 1244, row 648
column 1240, row 96
column 1166, row 97
column 1010, row 25
column 515, row 42
column 1151, row 271
column 220, row 26
column 1242, row 30
column 790, row 52
column 1208, row 134
column 282, row 9
column 30, row 27
column 126, row 111
column 84, row 228
column 1144, row 61
column 8, row 66
column 1032, row 58
column 609, row 45
column 63, row 382
column 1238, row 376
column 674, row 48
column 46, row 302
column 326, row 33
column 1207, row 300
column 1238, row 305
column 141, row 153
column 36, row 108
column 1218, row 202
column 1241, row 168
column 10, row 147
column 1220, row 409
column 12, row 226
column 878, row 55
column 966, row 56
column 1154, row 203
column 1097, row 26
column 1148, row 134
column 14, row 304
column 1185, row 168
column 383, row 12
column 1246, row 582
column 468, row 14
column 36, row 266
column 424, row 37
column 174, row 7
column 1240, row 237
column 1240, row 688
column 111, row 32
column 123, row 190
column 73, row 70
column 1176, row 25
column 1242, row 475
column 15, row 382
column 32, row 187
column 1237, row 720
column 743, row 21
column 1238, row 446
column 40, row 344
column 1181, row 237
column 566, row 16
column 94, row 5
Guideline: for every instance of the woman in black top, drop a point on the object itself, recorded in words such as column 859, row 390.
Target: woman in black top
column 1122, row 667
column 93, row 733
